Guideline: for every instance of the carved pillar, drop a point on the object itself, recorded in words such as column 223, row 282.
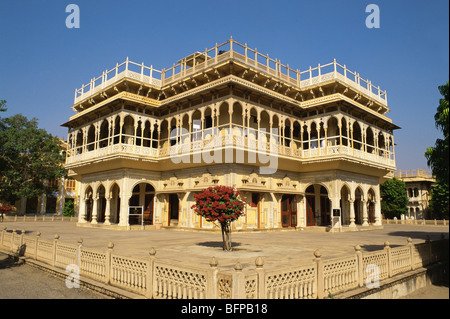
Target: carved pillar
column 108, row 210
column 352, row 212
column 365, row 216
column 94, row 210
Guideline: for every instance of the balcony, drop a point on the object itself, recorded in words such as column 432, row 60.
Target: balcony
column 183, row 147
column 201, row 63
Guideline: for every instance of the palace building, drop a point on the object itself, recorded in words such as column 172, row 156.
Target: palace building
column 418, row 184
column 305, row 146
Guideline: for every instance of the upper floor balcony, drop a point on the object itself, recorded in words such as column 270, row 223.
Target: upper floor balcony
column 247, row 130
column 207, row 64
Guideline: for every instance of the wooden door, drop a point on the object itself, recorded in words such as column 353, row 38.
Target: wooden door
column 310, row 208
column 148, row 209
column 285, row 211
column 289, row 211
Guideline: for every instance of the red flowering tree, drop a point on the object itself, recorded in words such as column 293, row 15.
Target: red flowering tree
column 4, row 209
column 222, row 204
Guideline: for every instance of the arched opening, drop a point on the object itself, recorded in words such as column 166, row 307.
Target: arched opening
column 237, row 118
column 104, row 132
column 370, row 140
column 88, row 203
column 357, row 136
column 296, row 136
column 314, row 136
column 358, row 206
column 196, row 126
column 224, row 118
column 142, row 199
column 371, row 206
column 344, row 132
column 381, row 145
column 114, row 204
column 264, row 127
column 310, row 197
column 174, row 209
column 79, row 142
column 116, row 133
column 332, row 132
column 147, row 134
column 101, row 204
column 287, row 132
column 345, row 205
column 128, row 130
column 90, row 145
column 325, row 207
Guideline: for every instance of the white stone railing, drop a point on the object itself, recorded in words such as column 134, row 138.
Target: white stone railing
column 233, row 50
column 142, row 73
column 154, row 278
column 236, row 141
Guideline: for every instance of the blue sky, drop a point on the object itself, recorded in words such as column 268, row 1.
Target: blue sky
column 42, row 62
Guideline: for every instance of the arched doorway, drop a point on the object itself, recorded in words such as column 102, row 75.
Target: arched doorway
column 310, row 206
column 143, row 195
column 325, row 207
column 101, row 206
column 115, row 204
column 371, row 206
column 89, row 202
column 358, row 207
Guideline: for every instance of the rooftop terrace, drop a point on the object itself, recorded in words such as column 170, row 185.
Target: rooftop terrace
column 200, row 61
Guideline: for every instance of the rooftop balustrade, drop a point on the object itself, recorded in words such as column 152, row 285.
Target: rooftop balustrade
column 202, row 61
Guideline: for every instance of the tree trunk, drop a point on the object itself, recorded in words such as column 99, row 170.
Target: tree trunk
column 226, row 236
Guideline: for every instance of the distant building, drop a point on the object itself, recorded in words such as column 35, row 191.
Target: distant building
column 418, row 188
column 298, row 144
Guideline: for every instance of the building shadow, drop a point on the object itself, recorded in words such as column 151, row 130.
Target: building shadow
column 418, row 234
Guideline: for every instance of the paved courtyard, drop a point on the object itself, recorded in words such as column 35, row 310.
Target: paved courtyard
column 278, row 248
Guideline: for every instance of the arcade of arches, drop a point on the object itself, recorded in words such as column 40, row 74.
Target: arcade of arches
column 298, row 200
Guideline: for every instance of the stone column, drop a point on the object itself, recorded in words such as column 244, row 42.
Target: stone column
column 108, row 210
column 94, row 210
column 352, row 212
column 365, row 216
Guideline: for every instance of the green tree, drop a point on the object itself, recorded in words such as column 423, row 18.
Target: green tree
column 68, row 209
column 394, row 198
column 437, row 157
column 29, row 158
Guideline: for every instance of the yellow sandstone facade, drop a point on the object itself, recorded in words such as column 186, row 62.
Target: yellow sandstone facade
column 298, row 144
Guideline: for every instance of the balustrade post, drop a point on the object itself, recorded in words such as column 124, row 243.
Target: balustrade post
column 319, row 275
column 38, row 236
column 387, row 248
column 80, row 244
column 150, row 271
column 211, row 288
column 22, row 232
column 55, row 243
column 2, row 236
column 359, row 267
column 108, row 262
column 238, row 283
column 411, row 247
column 261, row 287
column 14, row 233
